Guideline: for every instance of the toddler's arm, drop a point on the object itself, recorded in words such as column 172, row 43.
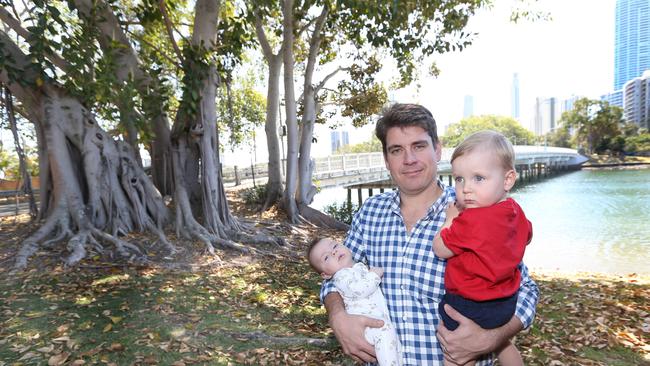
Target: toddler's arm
column 439, row 246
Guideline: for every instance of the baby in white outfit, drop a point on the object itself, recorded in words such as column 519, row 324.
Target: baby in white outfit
column 359, row 287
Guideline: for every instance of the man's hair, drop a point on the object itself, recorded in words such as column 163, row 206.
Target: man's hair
column 310, row 247
column 405, row 115
column 492, row 140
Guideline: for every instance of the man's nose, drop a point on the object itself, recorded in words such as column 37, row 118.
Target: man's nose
column 409, row 156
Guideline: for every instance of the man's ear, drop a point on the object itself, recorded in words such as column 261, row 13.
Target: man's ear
column 509, row 181
column 325, row 276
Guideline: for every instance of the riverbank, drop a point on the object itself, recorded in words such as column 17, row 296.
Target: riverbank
column 611, row 162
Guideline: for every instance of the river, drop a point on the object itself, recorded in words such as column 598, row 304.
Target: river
column 587, row 220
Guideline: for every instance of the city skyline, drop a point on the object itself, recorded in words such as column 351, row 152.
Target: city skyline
column 570, row 55
column 632, row 40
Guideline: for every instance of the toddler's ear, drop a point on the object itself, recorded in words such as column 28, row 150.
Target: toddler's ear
column 325, row 276
column 509, row 182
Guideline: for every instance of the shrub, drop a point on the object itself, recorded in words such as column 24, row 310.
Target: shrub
column 254, row 195
column 342, row 211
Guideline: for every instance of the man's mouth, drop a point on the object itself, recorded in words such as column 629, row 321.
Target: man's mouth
column 412, row 172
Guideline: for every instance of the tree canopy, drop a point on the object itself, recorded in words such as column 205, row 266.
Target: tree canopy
column 594, row 123
column 510, row 128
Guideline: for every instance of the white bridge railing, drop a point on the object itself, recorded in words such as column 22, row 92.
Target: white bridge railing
column 363, row 163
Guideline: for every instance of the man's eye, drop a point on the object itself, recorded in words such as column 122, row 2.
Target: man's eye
column 395, row 151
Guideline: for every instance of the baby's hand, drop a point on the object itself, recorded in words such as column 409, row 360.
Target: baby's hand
column 378, row 270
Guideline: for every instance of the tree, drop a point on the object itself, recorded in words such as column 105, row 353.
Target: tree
column 373, row 145
column 594, row 122
column 316, row 33
column 93, row 188
column 510, row 128
column 26, row 186
column 559, row 137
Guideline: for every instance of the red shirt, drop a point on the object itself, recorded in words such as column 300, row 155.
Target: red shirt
column 488, row 243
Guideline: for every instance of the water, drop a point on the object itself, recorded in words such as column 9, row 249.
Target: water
column 589, row 220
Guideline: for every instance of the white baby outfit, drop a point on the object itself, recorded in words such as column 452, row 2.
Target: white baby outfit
column 362, row 296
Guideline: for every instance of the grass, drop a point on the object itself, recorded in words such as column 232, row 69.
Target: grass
column 127, row 316
column 265, row 311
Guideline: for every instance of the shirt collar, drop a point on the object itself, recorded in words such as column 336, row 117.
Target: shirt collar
column 446, row 197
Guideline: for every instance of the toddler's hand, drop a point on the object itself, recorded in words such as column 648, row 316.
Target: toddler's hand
column 452, row 212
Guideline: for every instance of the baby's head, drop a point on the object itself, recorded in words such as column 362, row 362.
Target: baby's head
column 326, row 256
column 483, row 169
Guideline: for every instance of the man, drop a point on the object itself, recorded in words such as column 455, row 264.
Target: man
column 395, row 231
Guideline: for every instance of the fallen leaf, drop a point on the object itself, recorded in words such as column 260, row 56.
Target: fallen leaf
column 116, row 347
column 59, row 359
column 115, row 319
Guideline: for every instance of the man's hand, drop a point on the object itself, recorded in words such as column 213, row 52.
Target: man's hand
column 468, row 341
column 349, row 331
column 378, row 270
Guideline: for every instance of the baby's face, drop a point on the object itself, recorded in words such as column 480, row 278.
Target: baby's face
column 330, row 256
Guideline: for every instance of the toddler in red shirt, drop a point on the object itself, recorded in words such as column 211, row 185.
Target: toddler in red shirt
column 485, row 242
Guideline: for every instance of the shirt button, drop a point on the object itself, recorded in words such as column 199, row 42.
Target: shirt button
column 404, row 318
column 402, row 287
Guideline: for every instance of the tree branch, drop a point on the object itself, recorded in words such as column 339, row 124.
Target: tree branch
column 329, row 76
column 261, row 36
column 170, row 33
column 15, row 25
column 160, row 51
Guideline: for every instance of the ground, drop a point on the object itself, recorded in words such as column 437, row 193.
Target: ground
column 259, row 309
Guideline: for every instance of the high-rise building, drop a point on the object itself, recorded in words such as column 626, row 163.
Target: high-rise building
column 614, row 98
column 514, row 97
column 632, row 40
column 548, row 113
column 637, row 100
column 338, row 139
column 468, row 106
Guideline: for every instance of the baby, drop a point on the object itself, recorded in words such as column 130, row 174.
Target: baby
column 359, row 288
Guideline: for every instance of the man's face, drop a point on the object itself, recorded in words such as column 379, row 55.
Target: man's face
column 481, row 180
column 411, row 158
column 329, row 257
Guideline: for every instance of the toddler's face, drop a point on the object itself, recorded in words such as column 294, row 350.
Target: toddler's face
column 480, row 179
column 329, row 257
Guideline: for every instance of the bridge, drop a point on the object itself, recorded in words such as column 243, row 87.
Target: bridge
column 369, row 168
column 368, row 171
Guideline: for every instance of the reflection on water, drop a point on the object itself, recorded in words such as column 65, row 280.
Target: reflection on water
column 583, row 221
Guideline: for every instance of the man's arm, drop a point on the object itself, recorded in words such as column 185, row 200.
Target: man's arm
column 349, row 329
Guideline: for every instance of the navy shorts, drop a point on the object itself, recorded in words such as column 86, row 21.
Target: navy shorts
column 487, row 314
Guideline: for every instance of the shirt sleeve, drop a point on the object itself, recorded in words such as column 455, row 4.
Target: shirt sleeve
column 527, row 299
column 354, row 241
column 461, row 236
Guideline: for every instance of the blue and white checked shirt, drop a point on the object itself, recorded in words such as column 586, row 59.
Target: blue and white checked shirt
column 413, row 281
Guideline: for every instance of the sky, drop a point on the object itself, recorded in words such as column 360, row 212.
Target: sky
column 571, row 54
